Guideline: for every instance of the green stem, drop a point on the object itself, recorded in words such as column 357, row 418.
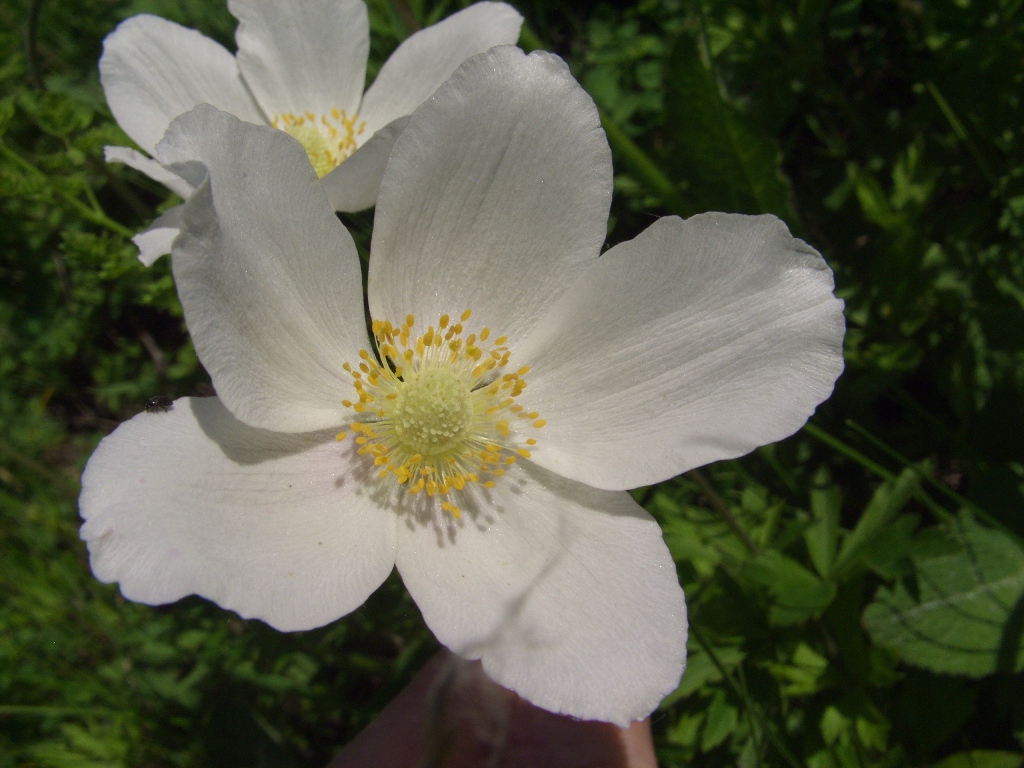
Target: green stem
column 45, row 711
column 744, row 695
column 936, row 509
column 644, row 168
column 945, row 490
column 723, row 509
column 96, row 217
column 960, row 131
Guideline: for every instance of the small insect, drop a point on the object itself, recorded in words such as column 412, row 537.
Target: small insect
column 158, row 404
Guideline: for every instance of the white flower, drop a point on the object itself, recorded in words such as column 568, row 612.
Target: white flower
column 301, row 67
column 525, row 384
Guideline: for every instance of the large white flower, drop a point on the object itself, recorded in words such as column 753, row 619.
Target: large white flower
column 515, row 385
column 301, row 67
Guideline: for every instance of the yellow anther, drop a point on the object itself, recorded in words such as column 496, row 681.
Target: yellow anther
column 340, row 436
column 438, row 421
column 539, row 423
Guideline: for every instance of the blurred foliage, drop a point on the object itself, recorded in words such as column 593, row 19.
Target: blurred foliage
column 856, row 592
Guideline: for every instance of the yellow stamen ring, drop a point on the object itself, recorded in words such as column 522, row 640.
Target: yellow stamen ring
column 435, row 413
column 328, row 139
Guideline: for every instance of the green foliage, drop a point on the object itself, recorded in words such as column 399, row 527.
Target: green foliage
column 738, row 168
column 963, row 613
column 855, row 592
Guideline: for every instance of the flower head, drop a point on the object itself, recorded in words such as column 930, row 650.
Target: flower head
column 301, row 66
column 510, row 385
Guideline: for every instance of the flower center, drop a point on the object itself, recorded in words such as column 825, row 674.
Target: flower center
column 435, row 412
column 327, row 139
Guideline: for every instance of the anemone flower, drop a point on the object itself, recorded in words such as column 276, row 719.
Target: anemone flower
column 516, row 383
column 301, row 67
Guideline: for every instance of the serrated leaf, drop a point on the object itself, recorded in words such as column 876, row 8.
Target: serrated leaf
column 797, row 593
column 965, row 614
column 728, row 165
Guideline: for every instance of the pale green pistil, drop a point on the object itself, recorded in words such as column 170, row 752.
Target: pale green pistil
column 433, row 412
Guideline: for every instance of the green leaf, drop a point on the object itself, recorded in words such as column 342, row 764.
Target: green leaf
column 728, row 165
column 888, row 500
column 982, row 758
column 798, row 594
column 721, row 721
column 701, row 670
column 801, row 675
column 823, row 534
column 964, row 614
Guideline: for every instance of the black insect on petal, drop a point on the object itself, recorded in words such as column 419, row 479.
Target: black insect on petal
column 158, row 404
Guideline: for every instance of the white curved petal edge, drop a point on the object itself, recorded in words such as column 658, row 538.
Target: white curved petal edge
column 268, row 278
column 303, row 56
column 699, row 340
column 427, row 58
column 135, row 159
column 157, row 239
column 153, row 70
column 566, row 593
column 495, row 195
column 274, row 527
column 353, row 185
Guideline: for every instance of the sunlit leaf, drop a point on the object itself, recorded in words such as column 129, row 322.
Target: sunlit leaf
column 964, row 611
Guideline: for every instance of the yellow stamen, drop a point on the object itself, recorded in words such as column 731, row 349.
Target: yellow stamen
column 327, row 139
column 434, row 409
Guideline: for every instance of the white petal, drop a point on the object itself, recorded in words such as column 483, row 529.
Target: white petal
column 354, row 184
column 697, row 341
column 275, row 527
column 567, row 594
column 135, row 159
column 155, row 241
column 153, row 70
column 303, row 56
column 268, row 277
column 428, row 58
column 494, row 195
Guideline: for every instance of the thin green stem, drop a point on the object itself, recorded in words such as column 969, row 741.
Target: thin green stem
column 835, row 443
column 960, row 131
column 723, row 509
column 644, row 168
column 97, row 217
column 45, row 711
column 744, row 695
column 945, row 490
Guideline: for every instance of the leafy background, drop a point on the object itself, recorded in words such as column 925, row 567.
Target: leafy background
column 856, row 591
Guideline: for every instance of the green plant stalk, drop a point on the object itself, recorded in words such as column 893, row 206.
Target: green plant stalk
column 644, row 168
column 960, row 131
column 852, row 453
column 742, row 693
column 928, row 478
column 86, row 212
